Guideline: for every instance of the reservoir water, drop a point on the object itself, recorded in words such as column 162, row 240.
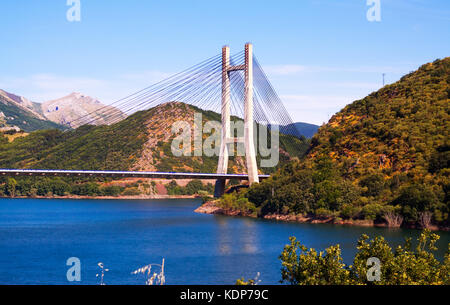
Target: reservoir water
column 38, row 236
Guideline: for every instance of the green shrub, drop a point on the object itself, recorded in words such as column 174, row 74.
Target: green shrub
column 86, row 189
column 112, row 190
column 131, row 192
column 349, row 211
column 372, row 211
column 322, row 212
column 404, row 266
column 415, row 199
column 373, row 183
column 194, row 187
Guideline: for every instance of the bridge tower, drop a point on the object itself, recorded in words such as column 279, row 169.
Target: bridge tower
column 227, row 139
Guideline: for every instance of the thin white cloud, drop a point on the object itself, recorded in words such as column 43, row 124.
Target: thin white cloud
column 284, row 69
column 315, row 109
column 419, row 8
column 45, row 86
column 352, row 85
column 303, row 102
column 293, row 69
column 146, row 76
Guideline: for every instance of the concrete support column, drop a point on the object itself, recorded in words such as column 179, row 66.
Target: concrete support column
column 250, row 154
column 249, row 142
column 222, row 167
column 224, row 154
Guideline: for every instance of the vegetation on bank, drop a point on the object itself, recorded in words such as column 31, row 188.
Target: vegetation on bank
column 193, row 187
column 59, row 187
column 50, row 187
column 375, row 263
column 402, row 266
column 385, row 158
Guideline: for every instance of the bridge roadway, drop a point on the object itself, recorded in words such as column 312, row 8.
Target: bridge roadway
column 92, row 173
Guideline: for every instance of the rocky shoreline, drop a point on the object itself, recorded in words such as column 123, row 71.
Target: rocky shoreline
column 212, row 208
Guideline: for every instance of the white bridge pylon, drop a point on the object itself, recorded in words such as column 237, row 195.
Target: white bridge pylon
column 227, row 139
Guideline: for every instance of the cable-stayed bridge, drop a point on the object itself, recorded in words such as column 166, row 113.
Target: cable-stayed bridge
column 120, row 174
column 232, row 85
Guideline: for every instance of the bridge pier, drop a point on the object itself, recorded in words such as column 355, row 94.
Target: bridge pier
column 222, row 167
column 250, row 154
column 219, row 189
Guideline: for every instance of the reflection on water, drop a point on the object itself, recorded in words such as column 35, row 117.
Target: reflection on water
column 244, row 242
column 38, row 236
column 249, row 236
column 223, row 236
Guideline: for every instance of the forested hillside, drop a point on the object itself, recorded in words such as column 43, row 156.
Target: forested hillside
column 383, row 158
column 140, row 142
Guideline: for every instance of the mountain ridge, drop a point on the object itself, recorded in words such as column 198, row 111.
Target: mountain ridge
column 305, row 129
column 77, row 109
column 70, row 111
column 20, row 113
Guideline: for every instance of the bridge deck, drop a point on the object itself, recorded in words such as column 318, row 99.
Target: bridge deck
column 92, row 173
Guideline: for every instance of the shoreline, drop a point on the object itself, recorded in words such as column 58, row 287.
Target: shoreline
column 137, row 197
column 210, row 207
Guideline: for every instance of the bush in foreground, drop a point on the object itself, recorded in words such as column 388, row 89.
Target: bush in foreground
column 403, row 266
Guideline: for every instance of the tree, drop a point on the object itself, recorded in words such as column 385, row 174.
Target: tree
column 404, row 266
column 112, row 190
column 10, row 187
column 374, row 184
column 303, row 266
column 415, row 199
column 440, row 159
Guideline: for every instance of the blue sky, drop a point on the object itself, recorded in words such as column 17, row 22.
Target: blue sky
column 319, row 54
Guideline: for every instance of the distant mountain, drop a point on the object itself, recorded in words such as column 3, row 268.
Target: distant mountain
column 77, row 109
column 305, row 129
column 70, row 111
column 19, row 112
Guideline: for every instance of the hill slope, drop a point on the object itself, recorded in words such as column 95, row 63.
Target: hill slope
column 387, row 154
column 140, row 142
column 20, row 112
column 396, row 129
column 23, row 102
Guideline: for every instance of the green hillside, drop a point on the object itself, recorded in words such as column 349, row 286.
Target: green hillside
column 121, row 146
column 140, row 142
column 383, row 156
column 15, row 116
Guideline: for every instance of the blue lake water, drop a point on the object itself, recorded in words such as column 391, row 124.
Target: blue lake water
column 38, row 236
